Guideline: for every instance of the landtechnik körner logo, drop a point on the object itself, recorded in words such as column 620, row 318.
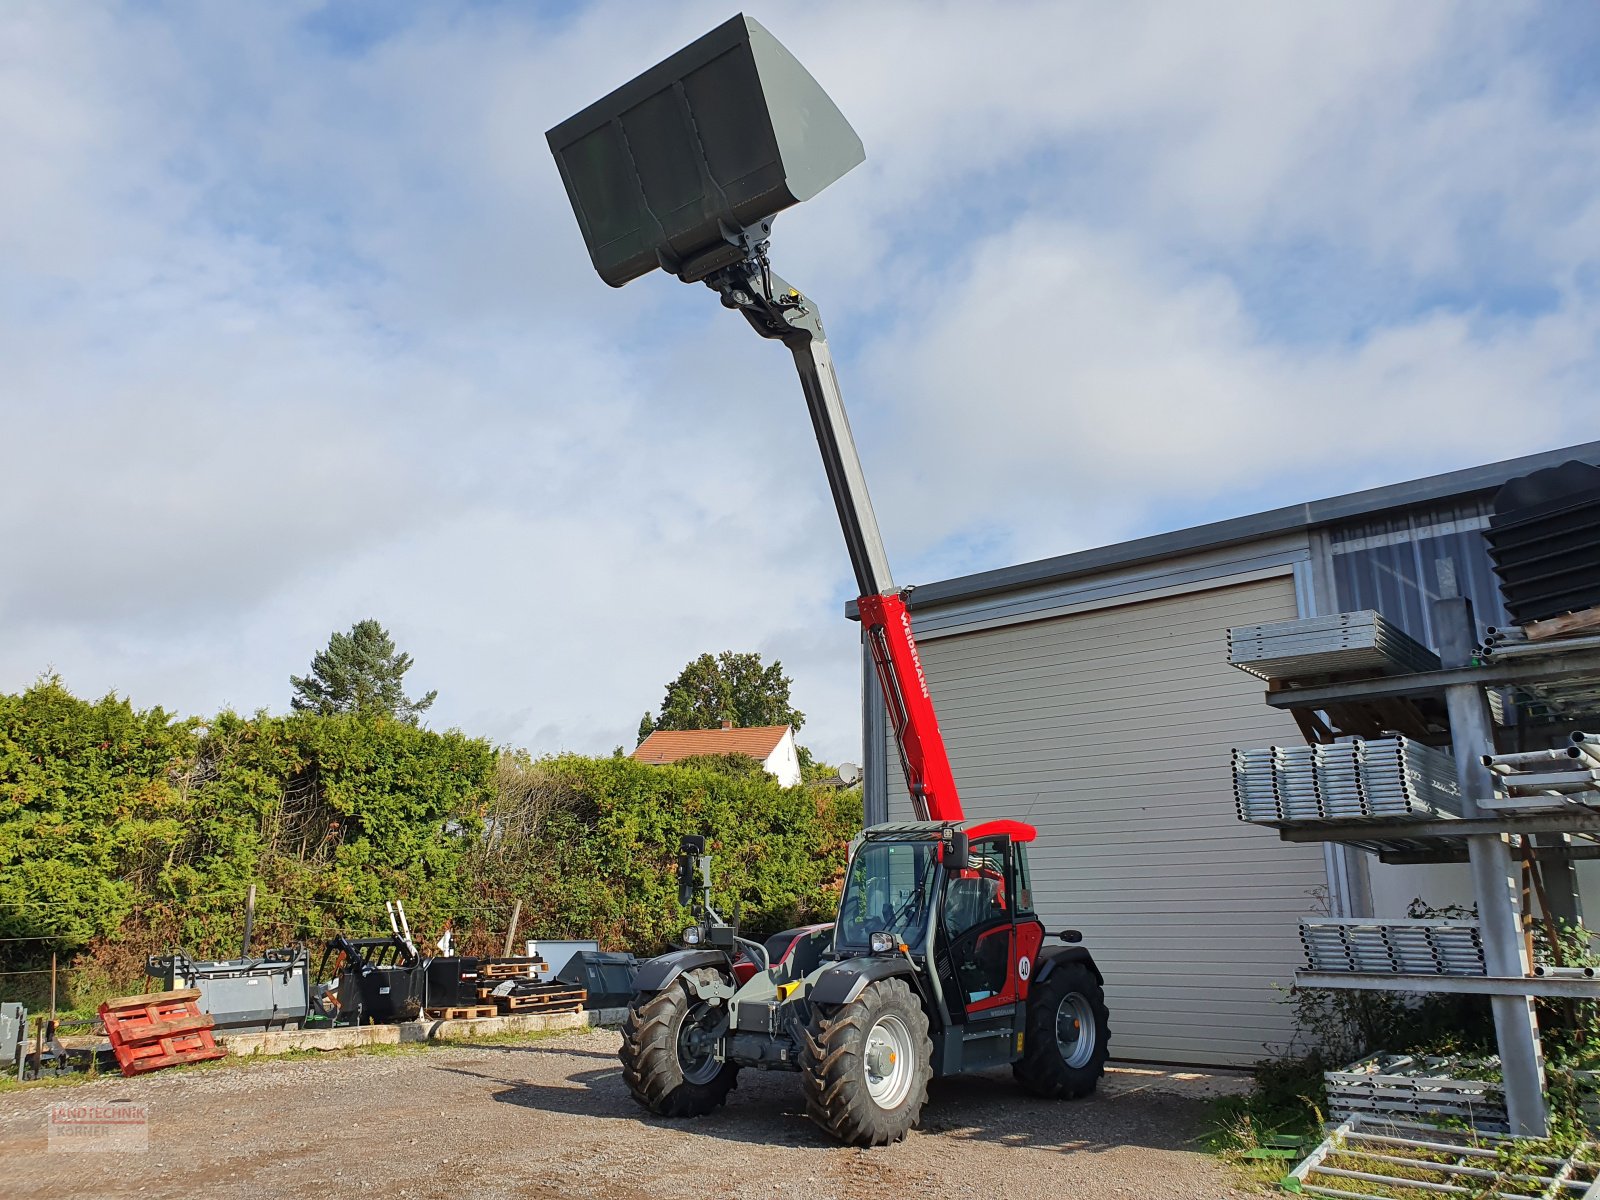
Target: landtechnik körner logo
column 116, row 1126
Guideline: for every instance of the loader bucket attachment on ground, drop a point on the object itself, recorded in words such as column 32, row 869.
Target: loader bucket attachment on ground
column 671, row 167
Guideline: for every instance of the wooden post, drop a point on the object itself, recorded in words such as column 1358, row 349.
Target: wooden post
column 511, row 932
column 52, row 987
column 249, row 920
column 38, row 1050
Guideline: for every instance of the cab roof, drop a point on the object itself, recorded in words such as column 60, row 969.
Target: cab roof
column 908, row 831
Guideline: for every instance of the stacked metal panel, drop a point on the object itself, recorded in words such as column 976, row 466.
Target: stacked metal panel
column 1356, row 643
column 1372, row 1156
column 1344, row 781
column 1398, row 947
column 1418, row 1088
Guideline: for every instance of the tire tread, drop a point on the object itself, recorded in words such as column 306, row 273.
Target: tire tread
column 833, row 1077
column 649, row 1056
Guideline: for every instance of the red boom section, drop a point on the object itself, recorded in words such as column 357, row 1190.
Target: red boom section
column 911, row 715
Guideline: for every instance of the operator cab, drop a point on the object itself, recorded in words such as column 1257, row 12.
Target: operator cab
column 957, row 894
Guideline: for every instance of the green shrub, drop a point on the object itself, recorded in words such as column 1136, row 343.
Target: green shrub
column 126, row 832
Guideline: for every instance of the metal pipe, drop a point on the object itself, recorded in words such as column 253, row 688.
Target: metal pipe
column 1507, row 633
column 1588, row 745
column 405, row 926
column 1541, row 649
column 1500, row 763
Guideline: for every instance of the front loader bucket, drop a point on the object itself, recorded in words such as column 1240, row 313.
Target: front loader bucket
column 668, row 169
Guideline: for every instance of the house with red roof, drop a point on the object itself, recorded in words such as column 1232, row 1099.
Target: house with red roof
column 770, row 745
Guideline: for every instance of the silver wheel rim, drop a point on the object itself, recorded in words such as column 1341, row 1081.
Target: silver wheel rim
column 1075, row 1029
column 698, row 1066
column 889, row 1062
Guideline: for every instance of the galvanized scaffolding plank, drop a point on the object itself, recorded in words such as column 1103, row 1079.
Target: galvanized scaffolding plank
column 1405, row 1158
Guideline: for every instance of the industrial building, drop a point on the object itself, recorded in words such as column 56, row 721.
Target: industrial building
column 1090, row 695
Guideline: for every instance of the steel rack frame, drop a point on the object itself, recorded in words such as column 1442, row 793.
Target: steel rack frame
column 1480, row 837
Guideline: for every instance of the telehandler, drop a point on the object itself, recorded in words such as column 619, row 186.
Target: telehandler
column 937, row 962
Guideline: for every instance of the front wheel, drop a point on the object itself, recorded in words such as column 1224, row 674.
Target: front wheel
column 669, row 1042
column 865, row 1065
column 1068, row 1035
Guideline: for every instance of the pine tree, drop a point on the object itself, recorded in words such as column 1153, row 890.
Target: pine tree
column 359, row 672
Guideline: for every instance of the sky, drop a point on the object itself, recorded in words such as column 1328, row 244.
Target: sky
column 297, row 327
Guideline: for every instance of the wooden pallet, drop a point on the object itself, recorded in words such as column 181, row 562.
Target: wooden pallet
column 559, row 1000
column 512, row 968
column 158, row 1029
column 470, row 1012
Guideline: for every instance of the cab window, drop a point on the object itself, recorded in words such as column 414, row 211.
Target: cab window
column 1023, row 889
column 977, row 894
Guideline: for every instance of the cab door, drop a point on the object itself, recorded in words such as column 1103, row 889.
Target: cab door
column 978, row 971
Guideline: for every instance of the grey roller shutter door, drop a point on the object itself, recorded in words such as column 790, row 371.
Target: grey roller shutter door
column 1109, row 730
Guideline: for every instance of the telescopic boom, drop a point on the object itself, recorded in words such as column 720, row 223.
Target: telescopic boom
column 683, row 168
column 778, row 311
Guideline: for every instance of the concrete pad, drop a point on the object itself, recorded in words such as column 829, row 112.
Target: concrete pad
column 284, row 1041
column 456, row 1031
column 350, row 1037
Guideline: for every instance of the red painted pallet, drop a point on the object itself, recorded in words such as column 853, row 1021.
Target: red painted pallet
column 158, row 1029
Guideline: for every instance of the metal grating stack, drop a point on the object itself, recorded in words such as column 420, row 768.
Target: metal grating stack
column 1414, row 1087
column 1354, row 643
column 1368, row 1156
column 1344, row 781
column 1397, row 947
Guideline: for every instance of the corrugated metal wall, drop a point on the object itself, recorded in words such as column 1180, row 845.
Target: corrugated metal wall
column 1110, row 731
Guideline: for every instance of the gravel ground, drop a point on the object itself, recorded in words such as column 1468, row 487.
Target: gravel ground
column 550, row 1118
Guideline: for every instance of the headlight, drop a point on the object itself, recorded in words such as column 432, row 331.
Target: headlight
column 691, row 936
column 881, row 943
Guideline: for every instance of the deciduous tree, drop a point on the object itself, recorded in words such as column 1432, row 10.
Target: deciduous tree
column 725, row 687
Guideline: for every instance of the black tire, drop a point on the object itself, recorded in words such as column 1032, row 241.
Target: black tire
column 654, row 1065
column 1049, row 1068
column 850, row 1090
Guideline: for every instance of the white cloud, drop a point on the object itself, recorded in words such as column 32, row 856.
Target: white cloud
column 295, row 332
column 1111, row 388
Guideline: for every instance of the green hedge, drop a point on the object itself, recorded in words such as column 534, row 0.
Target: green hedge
column 125, row 832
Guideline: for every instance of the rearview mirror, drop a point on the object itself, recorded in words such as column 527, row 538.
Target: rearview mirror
column 691, row 850
column 960, row 855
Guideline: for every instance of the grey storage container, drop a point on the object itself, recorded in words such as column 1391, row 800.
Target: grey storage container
column 13, row 1036
column 607, row 976
column 241, row 994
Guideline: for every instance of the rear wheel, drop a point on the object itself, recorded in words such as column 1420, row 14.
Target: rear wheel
column 1068, row 1035
column 865, row 1065
column 668, row 1054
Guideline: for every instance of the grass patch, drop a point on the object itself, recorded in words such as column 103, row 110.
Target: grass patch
column 1265, row 1133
